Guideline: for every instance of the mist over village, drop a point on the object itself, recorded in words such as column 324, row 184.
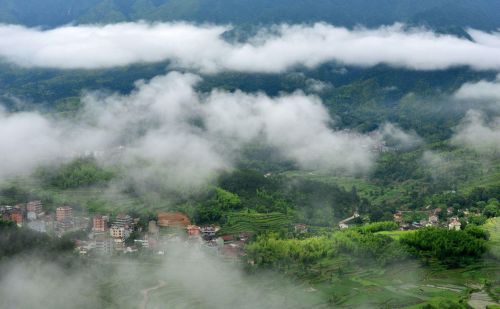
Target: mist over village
column 236, row 154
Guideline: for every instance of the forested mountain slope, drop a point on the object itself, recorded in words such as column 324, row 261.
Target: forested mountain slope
column 441, row 14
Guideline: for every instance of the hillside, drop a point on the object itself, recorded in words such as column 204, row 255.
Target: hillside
column 443, row 14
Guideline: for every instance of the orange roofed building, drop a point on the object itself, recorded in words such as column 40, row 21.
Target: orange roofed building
column 173, row 219
column 193, row 230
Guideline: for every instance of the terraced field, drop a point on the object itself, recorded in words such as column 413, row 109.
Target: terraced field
column 254, row 222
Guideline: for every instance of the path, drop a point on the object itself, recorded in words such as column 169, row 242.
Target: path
column 145, row 293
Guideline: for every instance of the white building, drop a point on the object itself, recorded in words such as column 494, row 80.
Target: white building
column 454, row 224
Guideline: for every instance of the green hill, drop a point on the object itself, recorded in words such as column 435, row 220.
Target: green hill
column 443, row 14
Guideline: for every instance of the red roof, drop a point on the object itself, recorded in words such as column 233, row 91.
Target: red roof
column 173, row 219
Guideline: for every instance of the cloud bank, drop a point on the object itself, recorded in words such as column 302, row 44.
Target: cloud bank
column 274, row 49
column 186, row 137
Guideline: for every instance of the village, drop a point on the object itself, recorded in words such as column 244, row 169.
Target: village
column 417, row 219
column 106, row 235
column 103, row 235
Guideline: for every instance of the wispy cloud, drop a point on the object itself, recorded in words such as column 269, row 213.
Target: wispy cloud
column 480, row 91
column 478, row 133
column 273, row 49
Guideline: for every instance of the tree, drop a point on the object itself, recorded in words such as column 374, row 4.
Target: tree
column 491, row 210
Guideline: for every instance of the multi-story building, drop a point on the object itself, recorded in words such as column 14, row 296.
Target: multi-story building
column 64, row 212
column 103, row 244
column 119, row 232
column 123, row 220
column 99, row 224
column 35, row 206
column 65, row 225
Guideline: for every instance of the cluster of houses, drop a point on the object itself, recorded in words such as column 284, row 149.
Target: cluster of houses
column 432, row 219
column 33, row 216
column 107, row 236
column 169, row 229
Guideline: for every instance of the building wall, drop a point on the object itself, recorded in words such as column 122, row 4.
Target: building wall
column 63, row 213
column 99, row 224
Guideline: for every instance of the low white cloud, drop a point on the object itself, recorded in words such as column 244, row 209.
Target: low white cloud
column 317, row 86
column 187, row 276
column 395, row 136
column 478, row 133
column 273, row 49
column 26, row 139
column 480, row 91
column 167, row 130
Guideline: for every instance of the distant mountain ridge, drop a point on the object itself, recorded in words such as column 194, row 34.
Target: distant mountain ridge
column 439, row 14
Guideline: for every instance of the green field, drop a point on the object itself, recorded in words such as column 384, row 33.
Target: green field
column 254, row 222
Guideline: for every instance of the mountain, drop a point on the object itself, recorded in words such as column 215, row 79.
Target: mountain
column 439, row 14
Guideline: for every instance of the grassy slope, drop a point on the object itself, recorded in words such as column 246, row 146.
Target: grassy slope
column 493, row 227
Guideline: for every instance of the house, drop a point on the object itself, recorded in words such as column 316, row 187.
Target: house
column 173, row 219
column 343, row 223
column 404, row 226
column 17, row 216
column 454, row 224
column 245, row 236
column 300, row 228
column 208, row 232
column 398, row 217
column 227, row 238
column 193, row 230
column 433, row 220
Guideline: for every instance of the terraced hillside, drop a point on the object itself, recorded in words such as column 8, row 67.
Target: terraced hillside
column 254, row 222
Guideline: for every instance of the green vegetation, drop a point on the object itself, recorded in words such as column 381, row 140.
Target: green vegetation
column 449, row 247
column 371, row 264
column 16, row 241
column 492, row 226
column 254, row 222
column 433, row 13
column 78, row 173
